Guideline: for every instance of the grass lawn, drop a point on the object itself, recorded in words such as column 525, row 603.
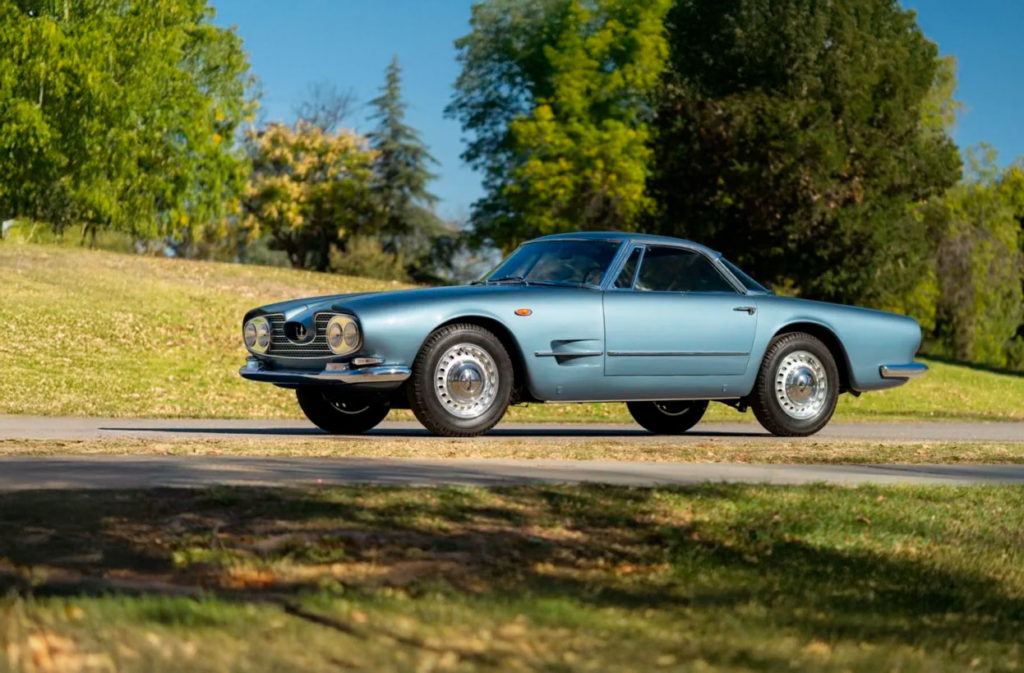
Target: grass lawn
column 107, row 334
column 713, row 578
column 653, row 448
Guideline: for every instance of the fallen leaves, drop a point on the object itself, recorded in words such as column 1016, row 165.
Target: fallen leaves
column 50, row 652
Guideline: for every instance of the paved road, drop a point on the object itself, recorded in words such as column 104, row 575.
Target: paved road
column 30, row 427
column 145, row 472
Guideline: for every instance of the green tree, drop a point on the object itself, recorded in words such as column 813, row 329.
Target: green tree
column 310, row 191
column 555, row 94
column 120, row 115
column 978, row 264
column 401, row 175
column 1011, row 187
column 409, row 229
column 794, row 136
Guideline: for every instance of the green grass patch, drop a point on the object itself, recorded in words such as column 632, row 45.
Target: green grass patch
column 98, row 333
column 713, row 578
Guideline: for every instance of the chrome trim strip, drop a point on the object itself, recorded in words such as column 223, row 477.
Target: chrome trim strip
column 338, row 373
column 907, row 371
column 648, row 354
column 568, row 354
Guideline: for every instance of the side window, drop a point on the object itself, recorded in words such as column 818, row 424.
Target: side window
column 668, row 269
column 625, row 279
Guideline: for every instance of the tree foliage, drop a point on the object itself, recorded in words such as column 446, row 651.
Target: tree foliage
column 408, row 225
column 794, row 135
column 309, row 191
column 555, row 93
column 335, row 200
column 120, row 114
column 979, row 270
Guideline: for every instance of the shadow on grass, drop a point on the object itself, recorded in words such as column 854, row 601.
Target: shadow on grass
column 594, row 547
column 973, row 365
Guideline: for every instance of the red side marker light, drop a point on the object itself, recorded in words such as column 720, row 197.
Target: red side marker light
column 523, row 311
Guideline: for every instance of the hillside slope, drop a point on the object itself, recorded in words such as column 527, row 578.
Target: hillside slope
column 97, row 333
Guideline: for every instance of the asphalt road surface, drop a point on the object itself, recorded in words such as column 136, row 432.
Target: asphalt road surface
column 123, row 472
column 75, row 428
column 72, row 472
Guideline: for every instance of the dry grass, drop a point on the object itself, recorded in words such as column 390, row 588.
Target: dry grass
column 655, row 449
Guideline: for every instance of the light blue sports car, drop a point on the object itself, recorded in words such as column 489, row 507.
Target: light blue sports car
column 662, row 324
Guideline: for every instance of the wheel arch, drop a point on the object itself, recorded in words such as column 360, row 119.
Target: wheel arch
column 520, row 377
column 831, row 340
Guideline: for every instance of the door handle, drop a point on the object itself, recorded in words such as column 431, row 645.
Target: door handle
column 749, row 309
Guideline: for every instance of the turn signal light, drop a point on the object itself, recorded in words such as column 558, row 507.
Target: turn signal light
column 523, row 311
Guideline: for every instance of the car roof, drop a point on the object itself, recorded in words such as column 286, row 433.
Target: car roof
column 633, row 236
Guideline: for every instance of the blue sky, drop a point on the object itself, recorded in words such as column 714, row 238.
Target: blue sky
column 350, row 42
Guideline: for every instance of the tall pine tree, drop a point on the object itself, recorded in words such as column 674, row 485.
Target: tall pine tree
column 401, row 172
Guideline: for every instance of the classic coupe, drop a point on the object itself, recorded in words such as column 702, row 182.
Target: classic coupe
column 662, row 324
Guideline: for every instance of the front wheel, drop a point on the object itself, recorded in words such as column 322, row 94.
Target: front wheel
column 461, row 381
column 797, row 387
column 340, row 415
column 668, row 418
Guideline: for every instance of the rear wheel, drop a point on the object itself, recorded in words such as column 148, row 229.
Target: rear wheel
column 340, row 414
column 668, row 418
column 797, row 387
column 461, row 381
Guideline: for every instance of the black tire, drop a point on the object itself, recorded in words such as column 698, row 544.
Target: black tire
column 428, row 385
column 339, row 414
column 668, row 418
column 769, row 387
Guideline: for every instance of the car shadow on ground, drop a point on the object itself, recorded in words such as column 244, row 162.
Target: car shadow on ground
column 422, row 432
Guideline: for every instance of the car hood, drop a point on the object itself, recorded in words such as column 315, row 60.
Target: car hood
column 299, row 309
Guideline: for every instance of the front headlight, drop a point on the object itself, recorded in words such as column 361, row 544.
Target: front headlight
column 343, row 335
column 256, row 334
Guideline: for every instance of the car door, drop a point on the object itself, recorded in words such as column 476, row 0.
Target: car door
column 677, row 316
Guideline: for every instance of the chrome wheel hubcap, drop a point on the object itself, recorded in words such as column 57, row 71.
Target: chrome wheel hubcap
column 466, row 380
column 801, row 385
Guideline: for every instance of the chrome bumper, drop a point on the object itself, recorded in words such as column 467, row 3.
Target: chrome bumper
column 907, row 371
column 334, row 372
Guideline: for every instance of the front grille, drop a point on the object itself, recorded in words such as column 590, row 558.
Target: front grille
column 282, row 347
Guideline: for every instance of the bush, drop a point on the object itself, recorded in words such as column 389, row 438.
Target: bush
column 366, row 257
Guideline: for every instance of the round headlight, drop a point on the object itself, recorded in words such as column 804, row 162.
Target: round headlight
column 256, row 334
column 343, row 335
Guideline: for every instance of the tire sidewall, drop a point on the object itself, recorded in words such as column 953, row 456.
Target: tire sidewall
column 653, row 419
column 315, row 403
column 770, row 404
column 423, row 396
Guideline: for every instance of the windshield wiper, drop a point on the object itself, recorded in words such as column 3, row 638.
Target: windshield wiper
column 509, row 279
column 557, row 283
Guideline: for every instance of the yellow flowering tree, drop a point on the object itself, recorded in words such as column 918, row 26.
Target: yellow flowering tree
column 309, row 190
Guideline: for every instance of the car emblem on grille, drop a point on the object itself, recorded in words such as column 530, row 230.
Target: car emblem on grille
column 298, row 334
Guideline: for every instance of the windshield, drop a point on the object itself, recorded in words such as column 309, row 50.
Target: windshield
column 557, row 263
column 748, row 282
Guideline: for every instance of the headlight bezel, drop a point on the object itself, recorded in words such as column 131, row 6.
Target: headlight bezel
column 260, row 328
column 350, row 333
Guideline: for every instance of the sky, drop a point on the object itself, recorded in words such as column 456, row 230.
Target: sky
column 349, row 43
